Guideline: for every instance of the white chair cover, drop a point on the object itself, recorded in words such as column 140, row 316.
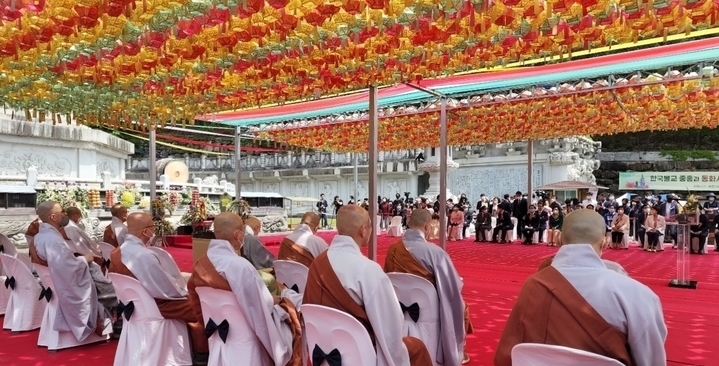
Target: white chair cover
column 535, row 236
column 4, row 295
column 533, row 354
column 395, row 226
column 170, row 266
column 330, row 329
column 49, row 337
column 412, row 289
column 24, row 311
column 25, row 259
column 7, row 246
column 148, row 339
column 513, row 234
column 242, row 347
column 105, row 249
column 291, row 273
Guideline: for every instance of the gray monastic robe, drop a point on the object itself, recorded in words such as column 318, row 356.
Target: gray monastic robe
column 255, row 252
column 78, row 307
column 449, row 289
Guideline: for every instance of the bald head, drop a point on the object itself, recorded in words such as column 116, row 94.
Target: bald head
column 310, row 219
column 584, row 227
column 419, row 219
column 354, row 221
column 140, row 225
column 74, row 214
column 46, row 209
column 119, row 211
column 229, row 226
column 254, row 223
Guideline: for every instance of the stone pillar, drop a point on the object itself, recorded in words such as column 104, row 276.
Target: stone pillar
column 31, row 177
column 431, row 166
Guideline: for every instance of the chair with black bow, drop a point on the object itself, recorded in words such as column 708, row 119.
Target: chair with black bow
column 229, row 334
column 48, row 336
column 335, row 338
column 292, row 274
column 23, row 311
column 420, row 304
column 147, row 339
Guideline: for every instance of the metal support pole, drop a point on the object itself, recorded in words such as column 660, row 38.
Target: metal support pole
column 238, row 164
column 372, row 163
column 530, row 171
column 356, row 183
column 153, row 166
column 443, row 174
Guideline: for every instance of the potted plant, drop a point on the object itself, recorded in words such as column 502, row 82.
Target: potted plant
column 162, row 226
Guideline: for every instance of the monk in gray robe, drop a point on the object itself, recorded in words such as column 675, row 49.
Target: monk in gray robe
column 79, row 310
column 414, row 255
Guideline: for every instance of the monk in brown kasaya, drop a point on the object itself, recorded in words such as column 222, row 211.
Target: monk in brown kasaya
column 344, row 279
column 116, row 232
column 415, row 255
column 302, row 245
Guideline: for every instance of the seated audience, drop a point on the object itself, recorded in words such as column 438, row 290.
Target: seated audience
column 620, row 224
column 79, row 310
column 133, row 259
column 223, row 269
column 578, row 302
column 654, row 227
column 302, row 245
column 504, row 224
column 414, row 255
column 482, row 225
column 115, row 233
column 344, row 279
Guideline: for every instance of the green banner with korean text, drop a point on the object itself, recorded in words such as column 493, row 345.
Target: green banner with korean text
column 669, row 181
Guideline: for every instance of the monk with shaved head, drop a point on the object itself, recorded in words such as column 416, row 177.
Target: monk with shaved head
column 80, row 311
column 414, row 255
column 254, row 250
column 132, row 258
column 303, row 245
column 343, row 278
column 223, row 269
column 578, row 302
column 115, row 233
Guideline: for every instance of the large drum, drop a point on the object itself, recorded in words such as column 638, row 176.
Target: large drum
column 176, row 171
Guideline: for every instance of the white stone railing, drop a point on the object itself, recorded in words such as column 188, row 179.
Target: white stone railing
column 275, row 161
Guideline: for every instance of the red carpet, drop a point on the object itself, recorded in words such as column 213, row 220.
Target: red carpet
column 493, row 275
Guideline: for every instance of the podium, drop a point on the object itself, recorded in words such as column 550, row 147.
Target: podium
column 683, row 244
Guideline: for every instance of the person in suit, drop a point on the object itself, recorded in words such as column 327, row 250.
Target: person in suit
column 700, row 232
column 504, row 224
column 483, row 223
column 641, row 218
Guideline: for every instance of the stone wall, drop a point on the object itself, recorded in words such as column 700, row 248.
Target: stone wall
column 614, row 162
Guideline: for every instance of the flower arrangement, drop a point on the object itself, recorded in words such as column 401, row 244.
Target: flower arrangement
column 225, row 201
column 73, row 197
column 195, row 214
column 144, row 202
column 162, row 226
column 691, row 205
column 128, row 195
column 241, row 207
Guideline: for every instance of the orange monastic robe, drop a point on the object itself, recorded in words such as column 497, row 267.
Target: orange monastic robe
column 399, row 259
column 205, row 274
column 549, row 310
column 328, row 291
column 170, row 309
column 108, row 236
column 289, row 250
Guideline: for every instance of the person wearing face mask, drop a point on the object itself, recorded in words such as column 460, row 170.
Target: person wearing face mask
column 221, row 268
column 578, row 302
column 711, row 208
column 132, row 258
column 456, row 223
column 641, row 220
column 80, row 311
column 531, row 224
column 620, row 224
column 554, row 235
column 302, row 245
column 115, row 233
column 608, row 218
column 415, row 255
